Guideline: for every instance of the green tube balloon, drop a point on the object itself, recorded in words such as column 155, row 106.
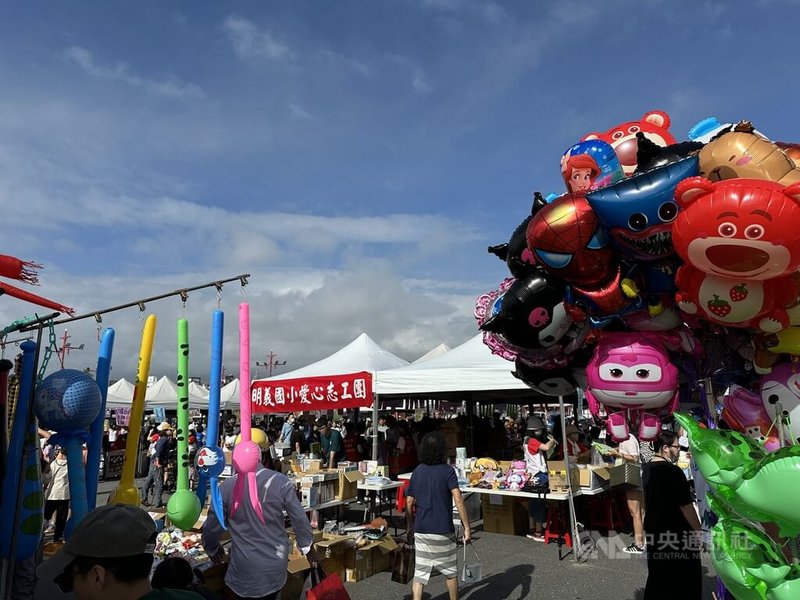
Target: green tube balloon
column 183, row 508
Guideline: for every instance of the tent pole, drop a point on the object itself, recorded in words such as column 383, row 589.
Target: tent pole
column 573, row 521
column 375, row 402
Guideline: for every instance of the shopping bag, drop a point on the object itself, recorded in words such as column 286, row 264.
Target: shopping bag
column 326, row 588
column 471, row 572
column 402, row 566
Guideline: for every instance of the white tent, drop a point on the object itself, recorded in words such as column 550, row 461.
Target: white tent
column 437, row 351
column 229, row 396
column 468, row 372
column 164, row 392
column 362, row 354
column 120, row 394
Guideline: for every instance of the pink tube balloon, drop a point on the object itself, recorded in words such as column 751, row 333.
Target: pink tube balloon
column 246, row 454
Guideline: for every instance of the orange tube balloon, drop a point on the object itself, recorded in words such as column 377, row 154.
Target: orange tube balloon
column 127, row 492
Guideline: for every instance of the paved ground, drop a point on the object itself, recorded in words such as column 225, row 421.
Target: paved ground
column 514, row 568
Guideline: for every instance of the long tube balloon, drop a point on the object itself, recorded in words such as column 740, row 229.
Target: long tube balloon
column 95, row 445
column 183, row 508
column 246, row 454
column 21, row 532
column 210, row 460
column 127, row 492
column 5, row 366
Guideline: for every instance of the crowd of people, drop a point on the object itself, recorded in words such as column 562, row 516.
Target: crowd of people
column 660, row 505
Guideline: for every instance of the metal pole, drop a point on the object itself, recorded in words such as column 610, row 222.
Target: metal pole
column 573, row 520
column 183, row 292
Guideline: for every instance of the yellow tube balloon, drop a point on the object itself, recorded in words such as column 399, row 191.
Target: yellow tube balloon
column 127, row 492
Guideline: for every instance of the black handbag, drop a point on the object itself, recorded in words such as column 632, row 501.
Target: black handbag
column 403, row 564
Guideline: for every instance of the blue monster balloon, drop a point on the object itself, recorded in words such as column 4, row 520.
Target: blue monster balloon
column 638, row 213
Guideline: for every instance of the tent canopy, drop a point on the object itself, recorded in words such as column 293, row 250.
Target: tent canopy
column 437, row 351
column 342, row 380
column 468, row 372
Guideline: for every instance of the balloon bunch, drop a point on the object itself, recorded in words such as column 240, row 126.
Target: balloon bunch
column 663, row 258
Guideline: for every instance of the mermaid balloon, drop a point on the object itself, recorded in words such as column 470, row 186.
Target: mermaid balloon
column 95, row 445
column 183, row 507
column 210, row 460
column 246, row 455
column 21, row 531
column 127, row 492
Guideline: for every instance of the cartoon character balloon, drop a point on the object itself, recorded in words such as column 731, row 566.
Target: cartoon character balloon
column 738, row 240
column 638, row 213
column 631, row 373
column 566, row 238
column 590, row 165
column 743, row 411
column 515, row 252
column 782, row 385
column 654, row 125
column 745, row 154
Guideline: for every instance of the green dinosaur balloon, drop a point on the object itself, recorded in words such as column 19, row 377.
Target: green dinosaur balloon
column 772, row 486
column 751, row 564
column 721, row 456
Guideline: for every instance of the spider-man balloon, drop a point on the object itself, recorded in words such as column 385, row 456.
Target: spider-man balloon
column 566, row 238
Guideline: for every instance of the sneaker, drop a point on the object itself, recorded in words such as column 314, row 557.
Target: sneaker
column 536, row 537
column 633, row 549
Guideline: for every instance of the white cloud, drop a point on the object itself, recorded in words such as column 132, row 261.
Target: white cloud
column 299, row 112
column 420, row 83
column 250, row 42
column 171, row 87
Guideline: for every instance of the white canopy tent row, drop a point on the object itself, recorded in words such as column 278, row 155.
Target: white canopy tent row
column 164, row 392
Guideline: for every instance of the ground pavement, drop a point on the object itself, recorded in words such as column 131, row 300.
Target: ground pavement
column 514, row 568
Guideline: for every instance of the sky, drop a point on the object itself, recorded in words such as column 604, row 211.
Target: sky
column 355, row 158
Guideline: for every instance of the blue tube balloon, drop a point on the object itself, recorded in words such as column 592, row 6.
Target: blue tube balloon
column 210, row 460
column 20, row 533
column 95, row 446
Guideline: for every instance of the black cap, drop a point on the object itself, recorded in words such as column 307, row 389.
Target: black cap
column 535, row 423
column 322, row 421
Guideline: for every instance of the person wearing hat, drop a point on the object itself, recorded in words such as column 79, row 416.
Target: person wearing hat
column 537, row 443
column 331, row 442
column 109, row 556
column 574, row 448
column 163, row 446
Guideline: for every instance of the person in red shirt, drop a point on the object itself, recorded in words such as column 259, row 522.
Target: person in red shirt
column 536, row 445
column 353, row 446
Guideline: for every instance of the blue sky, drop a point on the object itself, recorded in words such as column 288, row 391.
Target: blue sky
column 355, row 157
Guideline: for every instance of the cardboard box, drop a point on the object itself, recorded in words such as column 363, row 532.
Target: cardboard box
column 589, row 477
column 310, row 465
column 558, row 476
column 370, row 559
column 347, row 485
column 504, row 514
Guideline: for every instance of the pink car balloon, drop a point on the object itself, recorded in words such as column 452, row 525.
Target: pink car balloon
column 783, row 385
column 632, row 373
column 743, row 411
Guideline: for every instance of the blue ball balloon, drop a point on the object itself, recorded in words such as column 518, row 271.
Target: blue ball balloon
column 67, row 400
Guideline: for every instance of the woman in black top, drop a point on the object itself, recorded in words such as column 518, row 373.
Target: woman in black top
column 671, row 525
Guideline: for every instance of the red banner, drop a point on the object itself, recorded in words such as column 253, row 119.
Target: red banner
column 312, row 393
